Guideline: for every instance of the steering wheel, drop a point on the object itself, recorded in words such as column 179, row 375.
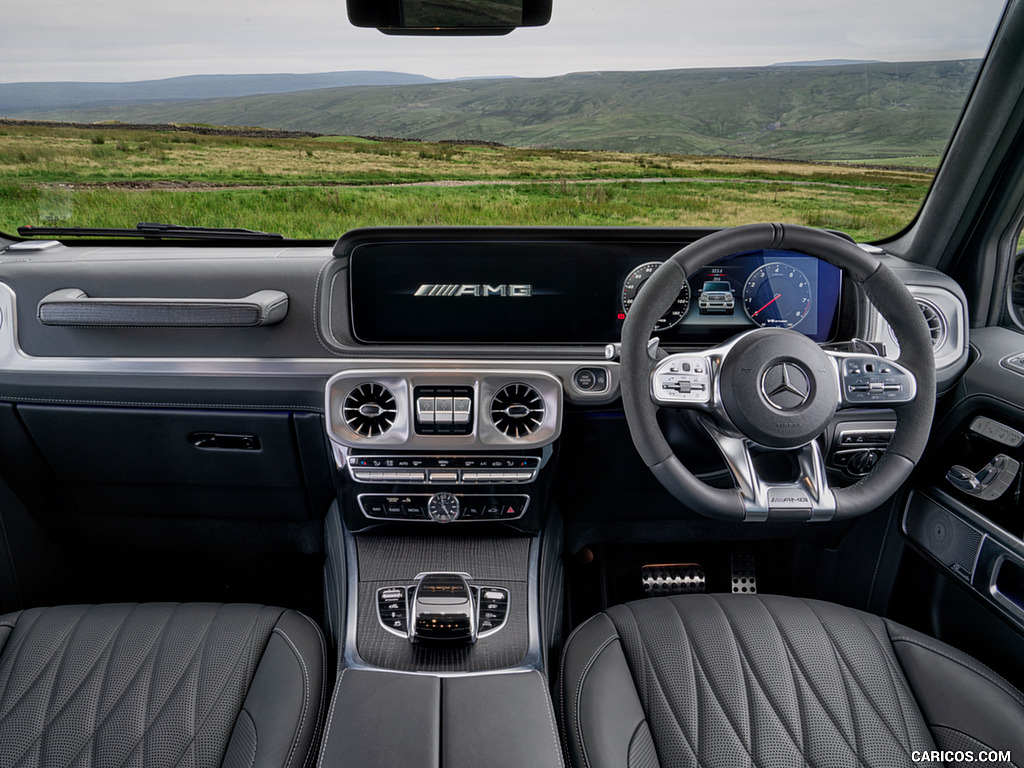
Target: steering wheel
column 773, row 390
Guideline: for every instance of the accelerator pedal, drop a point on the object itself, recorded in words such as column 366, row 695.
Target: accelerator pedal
column 673, row 579
column 744, row 574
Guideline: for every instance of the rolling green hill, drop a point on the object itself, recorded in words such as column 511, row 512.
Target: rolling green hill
column 849, row 112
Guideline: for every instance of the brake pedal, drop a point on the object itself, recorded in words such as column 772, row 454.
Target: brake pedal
column 673, row 579
column 744, row 574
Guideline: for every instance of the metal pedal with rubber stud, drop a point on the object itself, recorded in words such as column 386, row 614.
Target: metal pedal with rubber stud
column 673, row 579
column 744, row 574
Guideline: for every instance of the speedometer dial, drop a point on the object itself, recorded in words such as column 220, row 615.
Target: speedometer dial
column 634, row 282
column 777, row 295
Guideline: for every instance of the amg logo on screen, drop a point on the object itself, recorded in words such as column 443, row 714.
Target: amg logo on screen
column 512, row 291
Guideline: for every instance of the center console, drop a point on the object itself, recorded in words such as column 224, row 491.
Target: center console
column 443, row 559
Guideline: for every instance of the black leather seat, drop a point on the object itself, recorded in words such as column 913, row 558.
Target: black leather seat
column 749, row 680
column 152, row 685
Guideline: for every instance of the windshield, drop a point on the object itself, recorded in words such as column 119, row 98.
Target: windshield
column 284, row 118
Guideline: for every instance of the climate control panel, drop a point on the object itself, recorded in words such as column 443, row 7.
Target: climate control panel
column 447, row 470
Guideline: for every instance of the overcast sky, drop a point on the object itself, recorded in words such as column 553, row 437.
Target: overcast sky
column 122, row 40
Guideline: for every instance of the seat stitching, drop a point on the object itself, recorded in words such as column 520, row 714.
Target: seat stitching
column 199, row 724
column 103, row 684
column 863, row 690
column 714, row 693
column 650, row 669
column 893, row 669
column 17, row 655
column 91, row 738
column 330, row 717
column 551, row 715
column 305, row 694
column 797, row 667
column 745, row 657
column 980, row 670
column 152, row 718
column 579, row 688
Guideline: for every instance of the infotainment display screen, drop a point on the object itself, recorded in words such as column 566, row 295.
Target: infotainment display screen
column 572, row 293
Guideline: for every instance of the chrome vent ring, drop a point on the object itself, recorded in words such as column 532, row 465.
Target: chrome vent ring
column 369, row 409
column 934, row 319
column 517, row 410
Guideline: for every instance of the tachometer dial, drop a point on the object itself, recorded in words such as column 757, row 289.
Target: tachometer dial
column 634, row 282
column 777, row 295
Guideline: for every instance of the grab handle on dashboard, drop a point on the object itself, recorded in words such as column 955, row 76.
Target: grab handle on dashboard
column 71, row 307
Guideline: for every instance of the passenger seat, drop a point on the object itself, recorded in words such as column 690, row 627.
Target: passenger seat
column 161, row 684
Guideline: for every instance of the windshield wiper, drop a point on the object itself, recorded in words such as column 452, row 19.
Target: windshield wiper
column 151, row 230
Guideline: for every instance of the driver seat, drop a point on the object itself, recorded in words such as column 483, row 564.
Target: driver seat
column 749, row 680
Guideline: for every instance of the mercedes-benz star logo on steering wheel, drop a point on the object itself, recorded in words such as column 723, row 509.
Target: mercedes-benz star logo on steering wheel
column 786, row 386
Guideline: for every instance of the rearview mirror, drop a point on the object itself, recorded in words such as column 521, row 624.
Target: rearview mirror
column 448, row 17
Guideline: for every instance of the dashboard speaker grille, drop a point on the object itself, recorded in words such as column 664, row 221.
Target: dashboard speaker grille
column 517, row 410
column 370, row 409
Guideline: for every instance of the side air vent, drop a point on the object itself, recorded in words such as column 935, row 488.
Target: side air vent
column 935, row 320
column 517, row 410
column 370, row 409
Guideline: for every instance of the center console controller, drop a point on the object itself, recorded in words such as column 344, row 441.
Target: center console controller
column 442, row 607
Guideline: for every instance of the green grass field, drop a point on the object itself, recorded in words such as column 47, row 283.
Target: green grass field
column 319, row 188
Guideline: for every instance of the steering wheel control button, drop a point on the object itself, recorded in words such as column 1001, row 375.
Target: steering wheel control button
column 875, row 380
column 681, row 380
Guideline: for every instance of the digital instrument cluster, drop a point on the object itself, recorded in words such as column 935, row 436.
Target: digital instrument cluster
column 770, row 289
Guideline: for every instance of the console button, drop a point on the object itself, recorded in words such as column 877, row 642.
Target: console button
column 584, row 379
column 373, row 507
column 425, row 410
column 416, row 511
column 461, row 409
column 443, row 410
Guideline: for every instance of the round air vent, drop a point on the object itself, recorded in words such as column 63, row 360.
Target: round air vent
column 517, row 410
column 369, row 409
column 935, row 320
